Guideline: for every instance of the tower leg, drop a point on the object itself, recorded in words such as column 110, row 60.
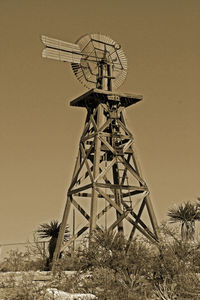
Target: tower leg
column 118, row 197
column 97, row 156
column 148, row 202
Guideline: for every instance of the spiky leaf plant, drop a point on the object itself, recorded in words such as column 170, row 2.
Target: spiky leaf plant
column 187, row 214
column 51, row 231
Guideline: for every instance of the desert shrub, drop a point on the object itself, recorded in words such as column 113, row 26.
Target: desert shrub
column 70, row 261
column 20, row 286
column 173, row 271
column 23, row 286
column 16, row 260
column 148, row 271
column 168, row 270
column 114, row 274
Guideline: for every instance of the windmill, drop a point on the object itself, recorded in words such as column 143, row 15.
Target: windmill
column 107, row 182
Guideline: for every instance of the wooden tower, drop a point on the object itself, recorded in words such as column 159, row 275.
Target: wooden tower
column 107, row 188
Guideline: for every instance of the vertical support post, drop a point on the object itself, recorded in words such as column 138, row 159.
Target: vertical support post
column 118, row 196
column 74, row 228
column 109, row 73
column 116, row 180
column 97, row 154
column 100, row 76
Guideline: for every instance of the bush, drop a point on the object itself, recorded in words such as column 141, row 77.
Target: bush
column 16, row 261
column 168, row 270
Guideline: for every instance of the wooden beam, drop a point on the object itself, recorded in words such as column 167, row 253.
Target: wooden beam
column 80, row 209
column 74, row 178
column 118, row 221
column 131, row 170
column 102, row 213
column 108, row 145
column 144, row 232
column 97, row 156
column 82, row 188
column 134, row 227
column 127, row 145
column 75, row 236
column 89, row 195
column 118, row 186
column 86, row 163
column 103, row 127
column 88, row 137
column 106, row 170
column 125, row 128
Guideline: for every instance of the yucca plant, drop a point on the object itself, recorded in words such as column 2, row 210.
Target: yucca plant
column 51, row 231
column 187, row 214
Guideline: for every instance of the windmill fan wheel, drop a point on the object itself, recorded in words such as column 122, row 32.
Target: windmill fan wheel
column 97, row 49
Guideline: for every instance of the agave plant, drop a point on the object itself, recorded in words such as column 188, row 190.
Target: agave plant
column 187, row 214
column 51, row 231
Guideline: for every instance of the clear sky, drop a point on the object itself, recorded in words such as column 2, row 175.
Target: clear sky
column 39, row 131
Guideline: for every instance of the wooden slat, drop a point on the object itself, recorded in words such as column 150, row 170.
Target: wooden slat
column 61, row 56
column 62, row 45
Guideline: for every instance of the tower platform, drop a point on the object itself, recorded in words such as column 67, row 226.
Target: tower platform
column 96, row 96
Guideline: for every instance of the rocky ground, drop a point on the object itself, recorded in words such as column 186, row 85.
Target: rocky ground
column 35, row 285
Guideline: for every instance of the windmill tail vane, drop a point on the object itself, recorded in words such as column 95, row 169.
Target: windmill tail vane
column 60, row 50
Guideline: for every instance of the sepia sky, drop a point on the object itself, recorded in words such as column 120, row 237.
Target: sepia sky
column 39, row 131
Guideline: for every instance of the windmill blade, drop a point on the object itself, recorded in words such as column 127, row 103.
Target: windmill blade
column 60, row 50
